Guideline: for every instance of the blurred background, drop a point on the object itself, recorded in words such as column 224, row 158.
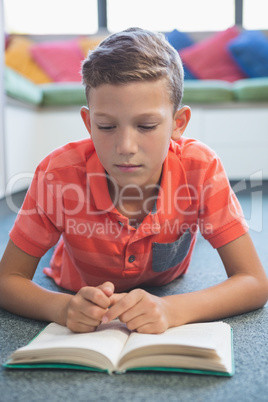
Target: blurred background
column 88, row 16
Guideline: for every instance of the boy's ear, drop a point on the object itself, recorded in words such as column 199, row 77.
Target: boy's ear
column 86, row 118
column 181, row 120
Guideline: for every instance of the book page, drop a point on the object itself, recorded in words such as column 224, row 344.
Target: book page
column 211, row 340
column 56, row 340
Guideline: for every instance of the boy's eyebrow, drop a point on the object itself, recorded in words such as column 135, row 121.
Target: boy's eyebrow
column 142, row 115
column 149, row 114
column 102, row 114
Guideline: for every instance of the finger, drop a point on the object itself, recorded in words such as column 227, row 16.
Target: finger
column 116, row 297
column 124, row 304
column 81, row 327
column 96, row 296
column 146, row 324
column 83, row 311
column 92, row 314
column 140, row 324
column 107, row 288
column 135, row 315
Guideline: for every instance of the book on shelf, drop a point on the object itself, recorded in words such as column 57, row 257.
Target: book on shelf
column 202, row 348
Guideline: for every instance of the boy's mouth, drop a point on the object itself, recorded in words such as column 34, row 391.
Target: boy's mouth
column 124, row 167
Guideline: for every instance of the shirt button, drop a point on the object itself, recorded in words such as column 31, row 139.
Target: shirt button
column 131, row 258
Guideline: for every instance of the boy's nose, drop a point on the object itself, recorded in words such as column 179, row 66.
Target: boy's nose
column 126, row 142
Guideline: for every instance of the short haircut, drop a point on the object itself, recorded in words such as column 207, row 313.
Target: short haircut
column 134, row 55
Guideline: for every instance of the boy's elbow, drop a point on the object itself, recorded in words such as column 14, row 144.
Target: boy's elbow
column 266, row 292
column 261, row 292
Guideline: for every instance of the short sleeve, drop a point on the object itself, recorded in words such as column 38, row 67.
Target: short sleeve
column 221, row 218
column 38, row 225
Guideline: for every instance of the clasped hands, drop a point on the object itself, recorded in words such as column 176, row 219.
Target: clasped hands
column 138, row 309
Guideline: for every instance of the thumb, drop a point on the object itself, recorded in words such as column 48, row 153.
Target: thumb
column 107, row 288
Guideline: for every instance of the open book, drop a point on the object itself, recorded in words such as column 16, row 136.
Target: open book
column 198, row 348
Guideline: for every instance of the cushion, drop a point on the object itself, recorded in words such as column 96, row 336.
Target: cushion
column 7, row 40
column 250, row 52
column 188, row 74
column 207, row 91
column 210, row 58
column 21, row 88
column 251, row 90
column 87, row 44
column 61, row 60
column 63, row 94
column 18, row 57
column 179, row 40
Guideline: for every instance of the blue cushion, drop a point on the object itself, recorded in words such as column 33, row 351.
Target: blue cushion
column 188, row 75
column 180, row 40
column 250, row 52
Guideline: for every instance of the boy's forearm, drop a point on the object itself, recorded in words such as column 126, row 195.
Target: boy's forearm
column 21, row 296
column 237, row 295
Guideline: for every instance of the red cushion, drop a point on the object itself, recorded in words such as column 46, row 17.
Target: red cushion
column 210, row 59
column 61, row 60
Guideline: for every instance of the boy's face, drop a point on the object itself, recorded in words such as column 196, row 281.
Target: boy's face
column 131, row 126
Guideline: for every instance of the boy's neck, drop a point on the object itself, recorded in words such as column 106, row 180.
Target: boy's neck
column 135, row 203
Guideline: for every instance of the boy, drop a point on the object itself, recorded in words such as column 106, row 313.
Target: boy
column 126, row 205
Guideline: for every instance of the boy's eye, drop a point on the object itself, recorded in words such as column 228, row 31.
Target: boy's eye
column 144, row 127
column 106, row 128
column 148, row 127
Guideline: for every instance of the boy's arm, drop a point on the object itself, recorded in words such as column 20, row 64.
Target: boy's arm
column 20, row 295
column 245, row 289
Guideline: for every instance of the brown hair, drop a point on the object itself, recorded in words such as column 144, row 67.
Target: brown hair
column 134, row 55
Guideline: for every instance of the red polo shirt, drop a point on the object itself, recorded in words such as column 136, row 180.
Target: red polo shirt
column 68, row 201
